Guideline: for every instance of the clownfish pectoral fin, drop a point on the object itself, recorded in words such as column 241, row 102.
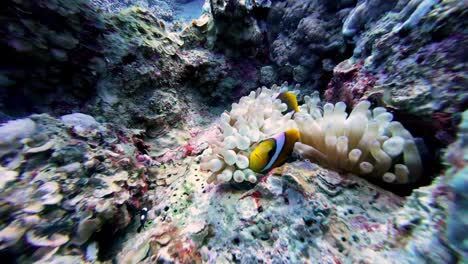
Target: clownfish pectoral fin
column 276, row 170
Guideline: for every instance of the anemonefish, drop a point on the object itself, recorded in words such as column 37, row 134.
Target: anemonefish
column 273, row 152
column 290, row 100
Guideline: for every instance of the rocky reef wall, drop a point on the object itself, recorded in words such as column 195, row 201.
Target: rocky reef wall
column 52, row 56
column 74, row 186
column 401, row 60
column 70, row 57
column 106, row 63
column 132, row 68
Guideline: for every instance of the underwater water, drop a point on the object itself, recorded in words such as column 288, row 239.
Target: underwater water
column 192, row 10
column 229, row 131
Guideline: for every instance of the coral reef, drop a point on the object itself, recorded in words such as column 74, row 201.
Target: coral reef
column 141, row 70
column 457, row 177
column 237, row 27
column 108, row 65
column 163, row 9
column 219, row 78
column 67, row 184
column 308, row 211
column 349, row 84
column 170, row 11
column 131, row 97
column 305, row 39
column 365, row 12
column 401, row 60
column 52, row 56
column 137, row 24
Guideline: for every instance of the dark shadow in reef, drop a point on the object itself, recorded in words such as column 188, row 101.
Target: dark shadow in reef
column 110, row 242
column 44, row 68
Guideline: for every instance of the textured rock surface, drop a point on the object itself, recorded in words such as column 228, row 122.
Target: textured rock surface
column 305, row 36
column 308, row 212
column 410, row 59
column 169, row 11
column 69, row 184
column 93, row 182
column 237, row 26
column 72, row 188
column 141, row 69
column 457, row 177
column 52, row 55
column 110, row 65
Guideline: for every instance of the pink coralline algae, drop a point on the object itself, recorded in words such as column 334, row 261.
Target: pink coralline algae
column 361, row 222
column 349, row 84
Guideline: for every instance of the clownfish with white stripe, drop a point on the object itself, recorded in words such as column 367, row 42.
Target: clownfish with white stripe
column 273, row 152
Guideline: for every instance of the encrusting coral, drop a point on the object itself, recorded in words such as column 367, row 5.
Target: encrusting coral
column 140, row 24
column 365, row 142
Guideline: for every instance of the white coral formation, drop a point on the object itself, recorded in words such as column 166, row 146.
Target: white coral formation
column 256, row 117
column 364, row 142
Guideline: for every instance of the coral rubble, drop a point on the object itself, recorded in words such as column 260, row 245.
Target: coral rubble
column 66, row 183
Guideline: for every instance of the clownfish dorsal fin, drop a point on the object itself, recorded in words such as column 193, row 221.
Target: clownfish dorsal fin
column 290, row 100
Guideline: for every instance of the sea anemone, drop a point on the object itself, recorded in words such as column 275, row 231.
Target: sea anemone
column 364, row 142
column 256, row 117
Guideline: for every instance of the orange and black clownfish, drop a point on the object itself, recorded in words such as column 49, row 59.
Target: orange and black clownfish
column 290, row 100
column 273, row 152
